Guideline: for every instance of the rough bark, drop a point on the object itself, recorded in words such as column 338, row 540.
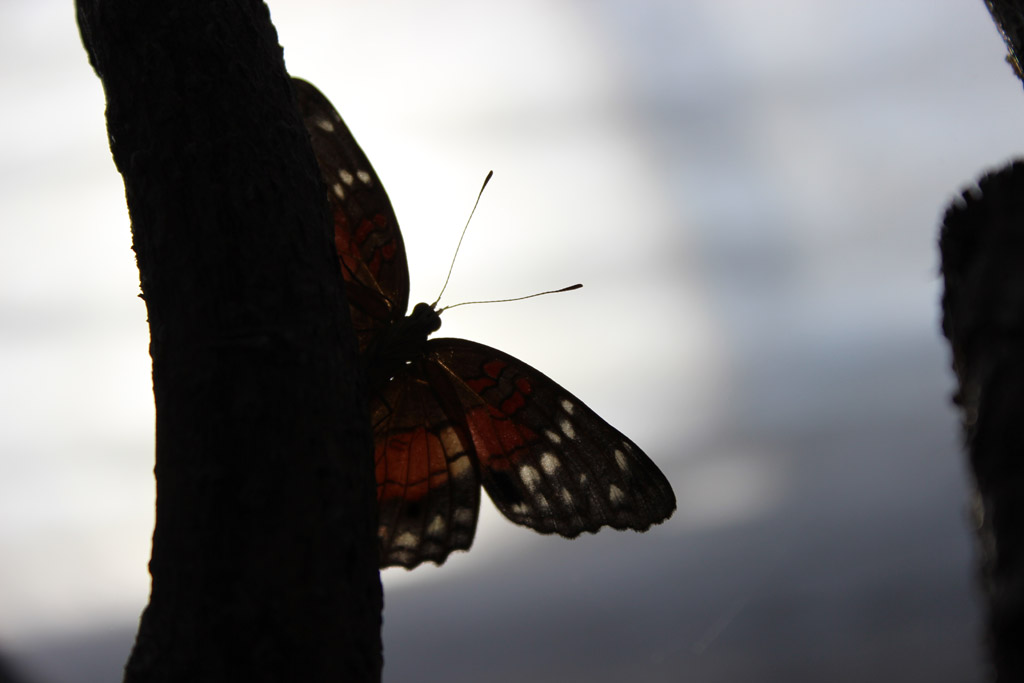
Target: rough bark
column 264, row 558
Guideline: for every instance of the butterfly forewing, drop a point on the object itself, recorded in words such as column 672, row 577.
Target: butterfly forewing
column 547, row 460
column 366, row 234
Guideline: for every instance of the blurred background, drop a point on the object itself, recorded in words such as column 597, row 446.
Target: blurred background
column 750, row 193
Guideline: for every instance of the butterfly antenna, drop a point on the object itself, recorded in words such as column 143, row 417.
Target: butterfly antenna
column 518, row 298
column 452, row 266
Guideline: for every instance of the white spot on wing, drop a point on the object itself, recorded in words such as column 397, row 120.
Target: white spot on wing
column 449, row 441
column 364, row 177
column 463, row 516
column 620, row 460
column 519, row 509
column 542, row 503
column 615, row 494
column 566, row 496
column 530, row 476
column 324, row 124
column 567, row 429
column 345, row 176
column 402, row 556
column 568, row 406
column 583, row 480
column 338, row 190
column 553, row 437
column 437, row 526
column 549, row 463
column 460, row 467
column 458, row 461
column 406, row 539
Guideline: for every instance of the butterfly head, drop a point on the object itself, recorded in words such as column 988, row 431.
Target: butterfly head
column 425, row 318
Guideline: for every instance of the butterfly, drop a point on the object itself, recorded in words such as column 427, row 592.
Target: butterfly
column 450, row 415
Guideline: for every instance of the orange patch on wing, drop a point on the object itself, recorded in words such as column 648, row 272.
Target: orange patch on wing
column 410, row 464
column 497, row 438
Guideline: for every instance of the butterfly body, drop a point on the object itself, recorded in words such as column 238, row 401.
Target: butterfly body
column 451, row 415
column 398, row 344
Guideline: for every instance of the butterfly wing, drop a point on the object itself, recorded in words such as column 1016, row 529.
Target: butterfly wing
column 366, row 234
column 465, row 414
column 428, row 486
column 547, row 460
column 459, row 414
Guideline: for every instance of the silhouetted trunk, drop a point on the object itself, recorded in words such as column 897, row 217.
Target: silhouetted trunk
column 264, row 558
column 982, row 244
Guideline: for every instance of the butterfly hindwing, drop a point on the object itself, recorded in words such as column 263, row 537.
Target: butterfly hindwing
column 428, row 487
column 547, row 460
column 366, row 234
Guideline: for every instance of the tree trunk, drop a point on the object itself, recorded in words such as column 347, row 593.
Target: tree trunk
column 264, row 558
column 982, row 245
